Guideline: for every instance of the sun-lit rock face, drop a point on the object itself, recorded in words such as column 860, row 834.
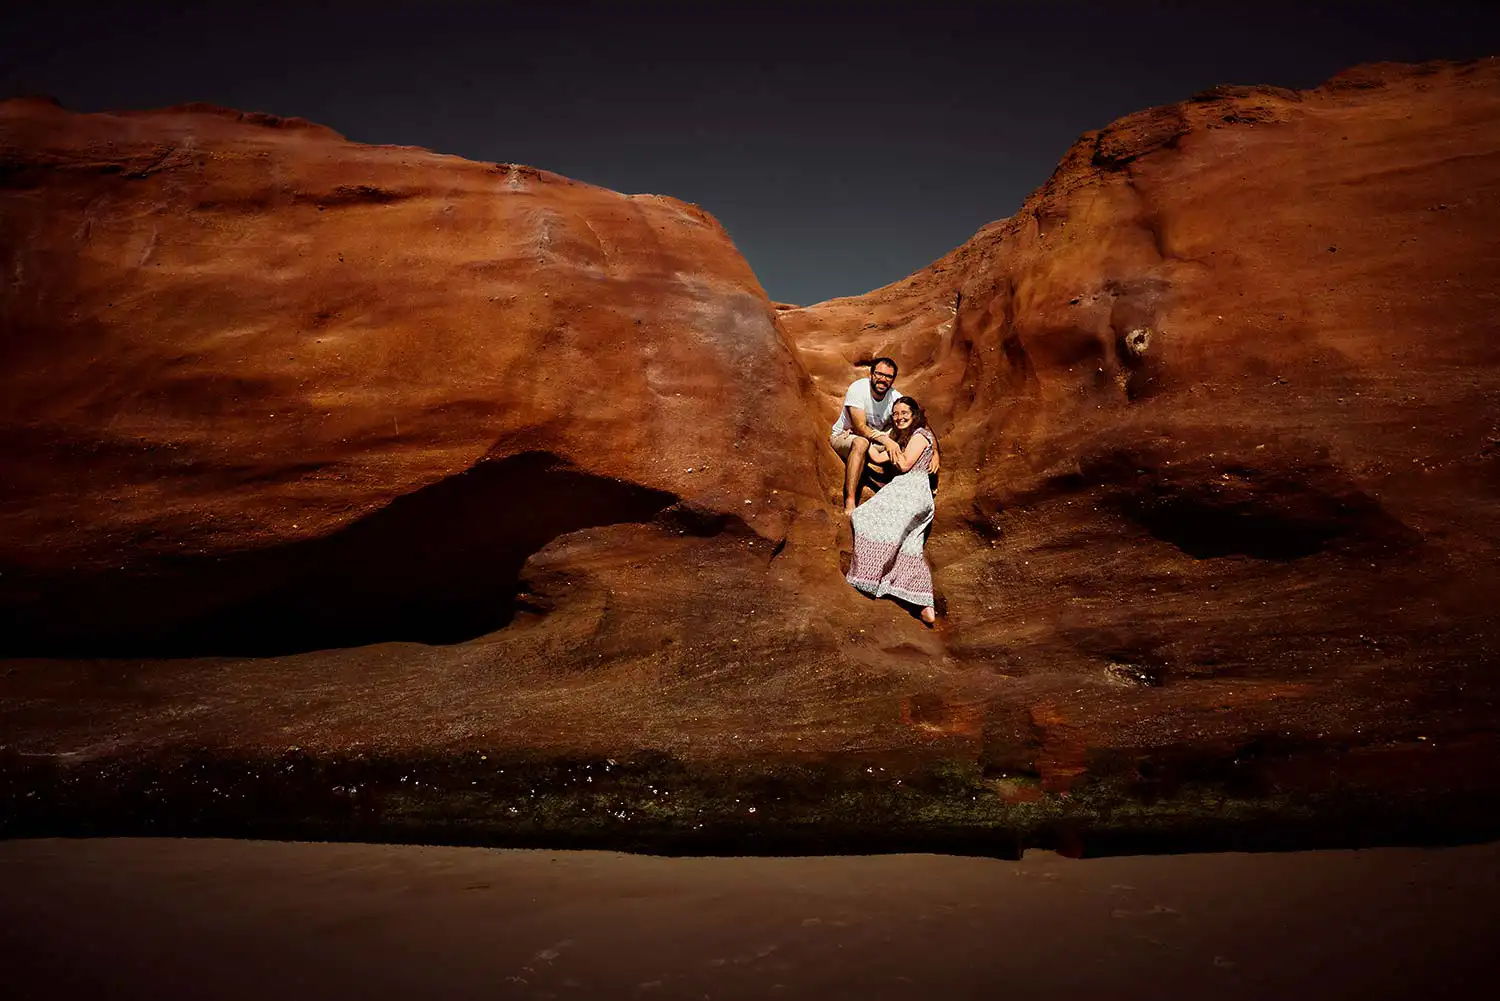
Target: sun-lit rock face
column 1223, row 397
column 245, row 358
column 1218, row 410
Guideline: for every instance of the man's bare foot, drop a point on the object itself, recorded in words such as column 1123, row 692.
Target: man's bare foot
column 848, row 508
column 929, row 617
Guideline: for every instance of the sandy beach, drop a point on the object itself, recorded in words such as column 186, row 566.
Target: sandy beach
column 163, row 919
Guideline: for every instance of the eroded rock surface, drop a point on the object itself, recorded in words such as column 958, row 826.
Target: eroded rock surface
column 1221, row 400
column 268, row 389
column 1218, row 408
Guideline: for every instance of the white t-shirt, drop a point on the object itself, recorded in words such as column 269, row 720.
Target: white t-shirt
column 876, row 411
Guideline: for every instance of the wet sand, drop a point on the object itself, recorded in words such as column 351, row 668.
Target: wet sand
column 164, row 919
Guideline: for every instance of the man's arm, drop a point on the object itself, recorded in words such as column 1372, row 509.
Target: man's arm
column 857, row 422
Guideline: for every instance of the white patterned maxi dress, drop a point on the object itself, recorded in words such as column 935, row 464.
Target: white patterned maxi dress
column 889, row 532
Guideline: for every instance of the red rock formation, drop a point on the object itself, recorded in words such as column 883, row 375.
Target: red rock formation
column 257, row 373
column 1221, row 399
column 1218, row 408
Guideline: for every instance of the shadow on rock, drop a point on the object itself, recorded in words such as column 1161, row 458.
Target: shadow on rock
column 440, row 565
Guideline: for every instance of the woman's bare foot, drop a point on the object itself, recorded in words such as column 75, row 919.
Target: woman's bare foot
column 929, row 617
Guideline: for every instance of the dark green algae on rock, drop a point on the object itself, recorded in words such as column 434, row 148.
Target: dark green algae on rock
column 1250, row 798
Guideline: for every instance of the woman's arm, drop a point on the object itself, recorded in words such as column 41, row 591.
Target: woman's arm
column 905, row 458
column 887, row 445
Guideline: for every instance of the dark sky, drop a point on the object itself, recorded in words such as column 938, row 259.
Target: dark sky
column 842, row 150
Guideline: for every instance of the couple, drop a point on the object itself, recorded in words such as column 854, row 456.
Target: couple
column 881, row 432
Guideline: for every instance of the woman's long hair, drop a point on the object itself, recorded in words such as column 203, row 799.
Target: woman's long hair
column 918, row 420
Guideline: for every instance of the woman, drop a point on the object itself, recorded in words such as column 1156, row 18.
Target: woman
column 891, row 527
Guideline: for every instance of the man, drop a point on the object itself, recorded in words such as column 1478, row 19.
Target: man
column 867, row 406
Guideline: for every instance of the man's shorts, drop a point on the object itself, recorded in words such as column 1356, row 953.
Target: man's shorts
column 842, row 442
